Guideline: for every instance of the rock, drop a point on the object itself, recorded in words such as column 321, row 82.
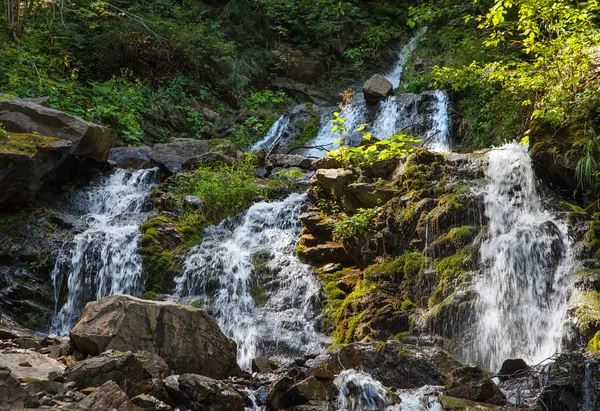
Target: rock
column 512, row 368
column 289, row 160
column 377, row 88
column 314, row 389
column 146, row 402
column 136, row 373
column 472, row 383
column 188, row 339
column 263, row 365
column 108, row 397
column 380, row 168
column 12, row 395
column 27, row 343
column 174, row 157
column 326, row 162
column 462, row 404
column 563, row 386
column 130, row 157
column 26, row 116
column 301, row 91
column 365, row 195
column 49, row 387
column 40, row 367
column 199, row 393
column 331, row 268
column 323, row 253
column 332, row 181
column 396, row 365
column 192, row 202
column 283, row 394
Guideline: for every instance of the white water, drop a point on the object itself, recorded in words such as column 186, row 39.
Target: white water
column 523, row 292
column 273, row 135
column 360, row 392
column 395, row 76
column 425, row 114
column 221, row 272
column 421, row 399
column 103, row 260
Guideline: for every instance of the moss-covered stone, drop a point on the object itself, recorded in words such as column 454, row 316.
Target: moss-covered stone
column 587, row 313
column 26, row 143
column 593, row 346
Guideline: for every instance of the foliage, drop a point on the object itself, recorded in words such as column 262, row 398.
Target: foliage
column 359, row 224
column 224, row 190
column 266, row 100
column 245, row 134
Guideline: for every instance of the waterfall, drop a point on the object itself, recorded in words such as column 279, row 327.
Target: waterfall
column 395, row 76
column 273, row 135
column 271, row 311
column 103, row 260
column 436, row 137
column 523, row 291
column 361, row 392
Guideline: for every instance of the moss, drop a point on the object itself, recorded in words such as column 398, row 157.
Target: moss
column 588, row 313
column 333, row 292
column 198, row 303
column 461, row 236
column 259, row 295
column 407, row 305
column 35, row 322
column 48, row 227
column 593, row 346
column 191, row 235
column 26, row 143
column 409, row 265
column 153, row 296
column 300, row 250
column 160, row 269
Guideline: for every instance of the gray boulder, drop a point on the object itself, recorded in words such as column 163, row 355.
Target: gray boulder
column 12, row 395
column 136, row 373
column 130, row 157
column 188, row 339
column 377, row 88
column 472, row 383
column 29, row 116
column 199, row 393
column 288, row 161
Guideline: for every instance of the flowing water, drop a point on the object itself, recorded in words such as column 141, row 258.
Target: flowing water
column 103, row 260
column 395, row 76
column 273, row 135
column 524, row 289
column 254, row 286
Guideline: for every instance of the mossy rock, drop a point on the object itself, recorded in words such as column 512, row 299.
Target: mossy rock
column 27, row 143
column 587, row 313
column 593, row 346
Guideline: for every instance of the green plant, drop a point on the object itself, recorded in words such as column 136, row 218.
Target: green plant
column 290, row 174
column 359, row 224
column 267, row 100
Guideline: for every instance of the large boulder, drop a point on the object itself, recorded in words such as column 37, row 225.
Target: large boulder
column 333, row 181
column 188, row 339
column 136, row 373
column 29, row 116
column 26, row 162
column 472, row 383
column 377, row 88
column 186, row 153
column 396, row 365
column 199, row 393
column 26, row 364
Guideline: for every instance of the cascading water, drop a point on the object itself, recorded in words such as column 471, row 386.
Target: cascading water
column 395, row 75
column 524, row 289
column 222, row 272
column 361, row 392
column 273, row 135
column 103, row 260
column 436, row 137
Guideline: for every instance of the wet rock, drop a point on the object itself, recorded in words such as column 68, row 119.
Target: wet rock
column 397, row 366
column 174, row 157
column 188, row 339
column 512, row 368
column 146, row 402
column 130, row 157
column 563, row 387
column 108, row 397
column 283, row 394
column 377, row 88
column 12, row 395
column 314, row 389
column 26, row 116
column 289, row 160
column 136, row 373
column 323, row 253
column 27, row 343
column 199, row 393
column 192, row 202
column 472, row 383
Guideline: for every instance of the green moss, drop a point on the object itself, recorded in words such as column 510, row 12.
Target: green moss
column 407, row 305
column 259, row 295
column 191, row 235
column 333, row 292
column 461, row 236
column 151, row 295
column 348, row 335
column 26, row 143
column 35, row 322
column 300, row 251
column 593, row 346
column 198, row 303
column 588, row 313
column 160, row 269
column 453, row 272
column 408, row 265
